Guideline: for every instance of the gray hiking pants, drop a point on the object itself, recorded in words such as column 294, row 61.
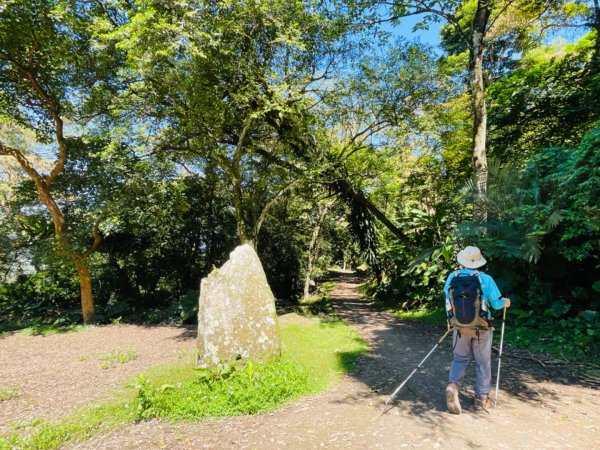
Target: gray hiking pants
column 467, row 347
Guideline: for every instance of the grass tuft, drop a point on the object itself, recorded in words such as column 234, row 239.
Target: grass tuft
column 113, row 358
column 8, row 393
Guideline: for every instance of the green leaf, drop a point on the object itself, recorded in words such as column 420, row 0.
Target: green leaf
column 560, row 309
column 590, row 316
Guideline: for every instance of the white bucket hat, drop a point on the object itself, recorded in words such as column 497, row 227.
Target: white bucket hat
column 470, row 258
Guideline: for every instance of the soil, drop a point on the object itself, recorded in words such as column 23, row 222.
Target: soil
column 541, row 404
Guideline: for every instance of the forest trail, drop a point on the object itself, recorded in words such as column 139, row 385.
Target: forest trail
column 539, row 407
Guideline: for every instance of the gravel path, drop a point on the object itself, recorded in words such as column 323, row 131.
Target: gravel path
column 56, row 374
column 539, row 407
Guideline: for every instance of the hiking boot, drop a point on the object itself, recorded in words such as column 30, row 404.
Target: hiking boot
column 452, row 398
column 483, row 403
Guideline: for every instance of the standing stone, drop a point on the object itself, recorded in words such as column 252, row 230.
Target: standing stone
column 236, row 314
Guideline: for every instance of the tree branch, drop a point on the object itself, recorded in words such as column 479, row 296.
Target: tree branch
column 107, row 14
column 53, row 108
column 267, row 207
column 96, row 239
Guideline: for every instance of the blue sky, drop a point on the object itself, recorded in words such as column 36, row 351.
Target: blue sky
column 432, row 36
column 404, row 29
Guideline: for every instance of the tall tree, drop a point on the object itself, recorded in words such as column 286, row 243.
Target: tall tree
column 475, row 23
column 234, row 74
column 47, row 70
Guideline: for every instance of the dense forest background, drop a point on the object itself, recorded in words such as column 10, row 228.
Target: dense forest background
column 143, row 140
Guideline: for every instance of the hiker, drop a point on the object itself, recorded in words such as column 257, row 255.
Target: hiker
column 469, row 295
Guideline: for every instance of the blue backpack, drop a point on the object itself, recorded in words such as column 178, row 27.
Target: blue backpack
column 467, row 313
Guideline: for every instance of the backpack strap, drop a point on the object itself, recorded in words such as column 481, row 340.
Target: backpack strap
column 484, row 303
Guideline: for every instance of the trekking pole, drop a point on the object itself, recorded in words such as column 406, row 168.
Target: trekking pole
column 416, row 368
column 500, row 356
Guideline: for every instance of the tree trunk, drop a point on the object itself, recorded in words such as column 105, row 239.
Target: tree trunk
column 58, row 219
column 85, row 285
column 238, row 205
column 596, row 25
column 313, row 248
column 480, row 22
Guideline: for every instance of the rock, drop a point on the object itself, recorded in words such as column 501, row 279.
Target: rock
column 236, row 314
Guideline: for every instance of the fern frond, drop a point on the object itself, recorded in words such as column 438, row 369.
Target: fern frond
column 553, row 220
column 532, row 247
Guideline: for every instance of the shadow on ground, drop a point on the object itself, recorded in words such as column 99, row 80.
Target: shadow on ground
column 398, row 346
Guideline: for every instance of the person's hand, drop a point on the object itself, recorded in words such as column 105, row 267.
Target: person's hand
column 506, row 302
column 450, row 327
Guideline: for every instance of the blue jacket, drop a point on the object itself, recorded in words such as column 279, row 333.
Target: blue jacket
column 490, row 292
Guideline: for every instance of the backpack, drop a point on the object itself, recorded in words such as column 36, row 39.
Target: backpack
column 467, row 313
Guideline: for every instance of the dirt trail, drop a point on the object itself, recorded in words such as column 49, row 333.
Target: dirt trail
column 538, row 408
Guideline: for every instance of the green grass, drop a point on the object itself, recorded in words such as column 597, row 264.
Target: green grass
column 81, row 426
column 314, row 356
column 318, row 305
column 552, row 339
column 327, row 286
column 113, row 358
column 37, row 329
column 7, row 393
column 432, row 316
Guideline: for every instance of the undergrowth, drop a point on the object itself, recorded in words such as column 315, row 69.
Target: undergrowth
column 313, row 356
column 567, row 338
column 319, row 304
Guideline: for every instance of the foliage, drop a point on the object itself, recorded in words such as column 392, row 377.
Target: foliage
column 43, row 296
column 194, row 125
column 514, row 26
column 549, row 100
column 570, row 338
column 543, row 228
column 542, row 237
column 414, row 283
